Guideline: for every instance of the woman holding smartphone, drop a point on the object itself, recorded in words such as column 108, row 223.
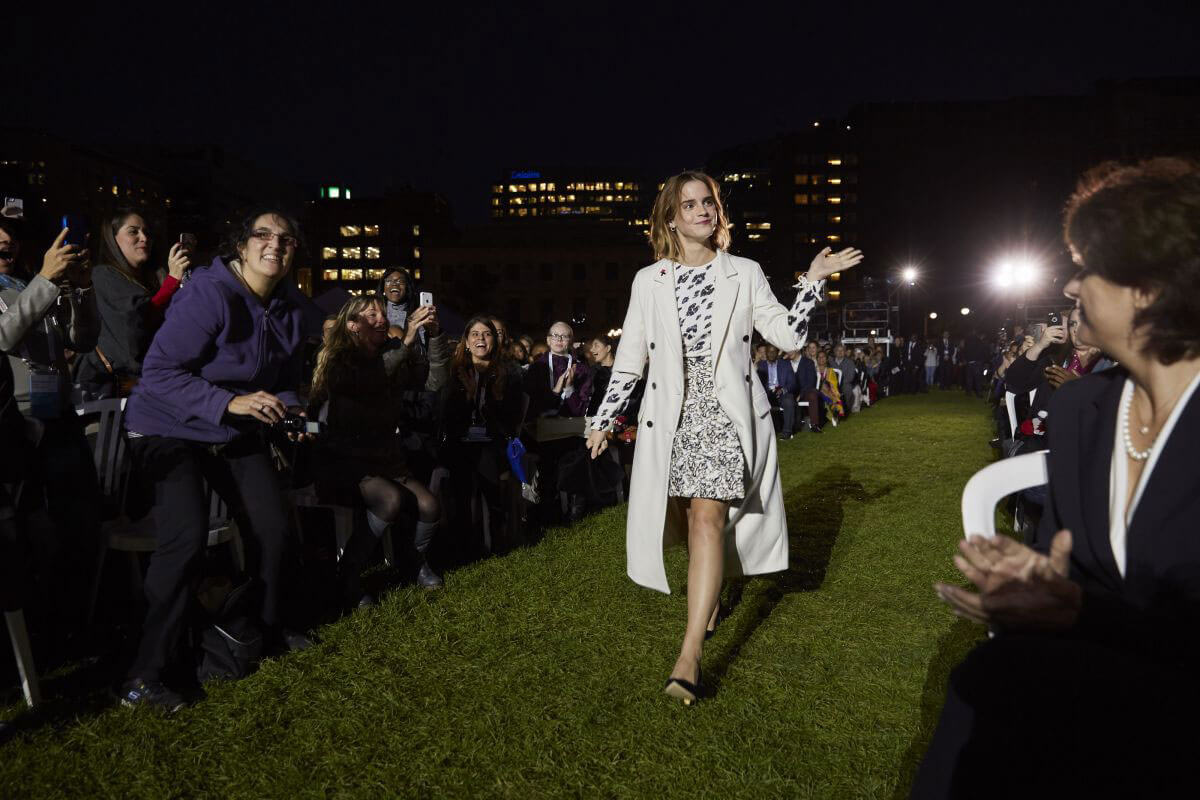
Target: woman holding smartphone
column 705, row 461
column 132, row 297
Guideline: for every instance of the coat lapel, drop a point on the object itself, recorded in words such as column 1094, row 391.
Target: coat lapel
column 1094, row 467
column 726, row 280
column 664, row 298
column 1172, row 483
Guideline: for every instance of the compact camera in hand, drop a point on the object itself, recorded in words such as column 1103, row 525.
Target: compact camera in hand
column 1054, row 318
column 294, row 423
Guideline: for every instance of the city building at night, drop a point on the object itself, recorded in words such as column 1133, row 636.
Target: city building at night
column 618, row 197
column 353, row 241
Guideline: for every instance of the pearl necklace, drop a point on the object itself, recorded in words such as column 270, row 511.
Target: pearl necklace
column 1134, row 453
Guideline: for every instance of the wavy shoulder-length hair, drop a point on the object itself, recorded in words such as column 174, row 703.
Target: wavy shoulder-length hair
column 666, row 242
column 462, row 366
column 340, row 345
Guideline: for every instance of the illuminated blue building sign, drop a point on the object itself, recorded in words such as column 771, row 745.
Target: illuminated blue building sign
column 528, row 175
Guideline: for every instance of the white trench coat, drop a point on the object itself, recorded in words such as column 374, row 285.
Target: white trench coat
column 743, row 302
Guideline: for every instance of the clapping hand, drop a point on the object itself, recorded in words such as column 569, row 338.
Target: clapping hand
column 828, row 262
column 1019, row 588
column 565, row 380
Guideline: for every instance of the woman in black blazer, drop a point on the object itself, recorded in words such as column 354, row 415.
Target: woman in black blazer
column 1097, row 626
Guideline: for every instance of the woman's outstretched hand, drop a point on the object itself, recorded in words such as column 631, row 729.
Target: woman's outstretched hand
column 828, row 262
column 1019, row 588
column 597, row 442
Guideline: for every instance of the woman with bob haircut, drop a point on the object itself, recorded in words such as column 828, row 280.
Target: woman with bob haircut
column 705, row 461
column 1095, row 644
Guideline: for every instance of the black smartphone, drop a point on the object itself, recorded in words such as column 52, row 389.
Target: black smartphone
column 1054, row 318
column 77, row 230
column 188, row 241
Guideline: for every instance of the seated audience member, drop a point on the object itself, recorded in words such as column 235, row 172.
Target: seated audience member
column 808, row 386
column 1095, row 625
column 779, row 380
column 602, row 351
column 400, row 301
column 40, row 319
column 223, row 368
column 831, row 394
column 361, row 458
column 536, row 351
column 481, row 412
column 559, row 385
column 849, row 386
column 131, row 298
column 1044, row 368
column 760, row 352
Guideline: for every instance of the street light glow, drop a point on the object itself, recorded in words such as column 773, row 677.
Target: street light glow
column 933, row 315
column 910, row 274
column 964, row 311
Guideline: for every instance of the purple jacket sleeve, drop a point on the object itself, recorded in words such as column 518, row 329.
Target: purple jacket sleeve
column 577, row 404
column 172, row 366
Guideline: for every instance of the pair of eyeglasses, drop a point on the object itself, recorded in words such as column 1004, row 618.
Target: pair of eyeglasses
column 286, row 240
column 560, row 337
column 394, row 282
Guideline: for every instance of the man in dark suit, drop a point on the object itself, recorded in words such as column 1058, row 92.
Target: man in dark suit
column 779, row 379
column 947, row 355
column 807, row 386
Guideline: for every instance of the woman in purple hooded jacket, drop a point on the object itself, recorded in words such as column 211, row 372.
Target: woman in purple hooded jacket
column 224, row 365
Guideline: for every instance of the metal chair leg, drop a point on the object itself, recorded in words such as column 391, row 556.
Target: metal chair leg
column 24, row 653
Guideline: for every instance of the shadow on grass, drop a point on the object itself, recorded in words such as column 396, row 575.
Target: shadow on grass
column 816, row 512
column 953, row 647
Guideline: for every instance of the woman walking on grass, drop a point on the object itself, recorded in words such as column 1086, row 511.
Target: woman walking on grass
column 706, row 459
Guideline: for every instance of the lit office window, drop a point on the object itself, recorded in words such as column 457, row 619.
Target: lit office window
column 541, row 187
column 758, row 226
column 370, row 230
column 376, row 274
column 417, row 273
column 522, row 212
column 329, row 275
column 835, row 218
column 116, row 191
column 754, row 236
column 549, row 187
column 417, row 250
column 328, row 253
column 372, row 252
column 352, row 274
column 350, row 230
column 355, row 292
column 835, row 181
column 833, row 237
column 834, row 199
column 533, row 187
column 833, row 294
column 801, row 199
column 835, row 162
column 352, row 252
column 498, row 188
column 495, row 201
column 512, row 188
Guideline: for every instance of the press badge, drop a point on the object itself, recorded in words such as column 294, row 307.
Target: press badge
column 45, row 400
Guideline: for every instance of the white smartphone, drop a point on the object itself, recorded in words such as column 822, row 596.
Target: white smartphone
column 426, row 298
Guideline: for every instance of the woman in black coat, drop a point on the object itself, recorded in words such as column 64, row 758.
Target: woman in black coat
column 1095, row 644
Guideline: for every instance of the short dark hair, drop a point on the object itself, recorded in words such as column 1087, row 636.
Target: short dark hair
column 1139, row 226
column 239, row 233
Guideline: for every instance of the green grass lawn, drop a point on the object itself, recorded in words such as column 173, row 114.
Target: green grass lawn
column 539, row 674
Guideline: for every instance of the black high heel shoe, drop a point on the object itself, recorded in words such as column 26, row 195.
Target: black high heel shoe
column 683, row 690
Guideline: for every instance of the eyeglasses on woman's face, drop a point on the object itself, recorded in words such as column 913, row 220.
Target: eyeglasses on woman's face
column 286, row 240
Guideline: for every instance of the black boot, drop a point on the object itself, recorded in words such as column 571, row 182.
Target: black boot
column 355, row 557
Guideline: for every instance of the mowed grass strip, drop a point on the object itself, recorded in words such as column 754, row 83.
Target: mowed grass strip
column 539, row 674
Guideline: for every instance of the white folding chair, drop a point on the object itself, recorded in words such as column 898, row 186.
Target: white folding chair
column 990, row 485
column 137, row 536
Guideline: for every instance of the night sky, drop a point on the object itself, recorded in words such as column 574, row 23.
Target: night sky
column 447, row 99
